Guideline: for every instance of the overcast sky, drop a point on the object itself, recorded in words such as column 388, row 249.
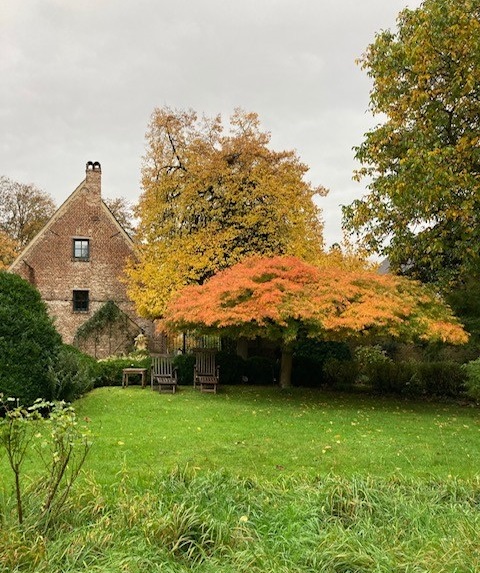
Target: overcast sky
column 80, row 79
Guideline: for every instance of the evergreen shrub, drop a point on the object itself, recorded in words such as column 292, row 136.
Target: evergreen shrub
column 73, row 374
column 29, row 343
column 184, row 364
column 442, row 379
column 232, row 367
column 395, row 378
column 110, row 369
column 261, row 370
column 472, row 382
column 340, row 374
column 310, row 357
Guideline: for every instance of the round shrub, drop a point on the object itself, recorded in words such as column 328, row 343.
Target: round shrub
column 29, row 343
column 73, row 374
column 340, row 374
column 445, row 379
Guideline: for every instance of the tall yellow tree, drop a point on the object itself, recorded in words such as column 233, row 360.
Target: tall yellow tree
column 8, row 250
column 213, row 196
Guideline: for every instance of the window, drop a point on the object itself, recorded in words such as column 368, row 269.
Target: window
column 80, row 300
column 81, row 249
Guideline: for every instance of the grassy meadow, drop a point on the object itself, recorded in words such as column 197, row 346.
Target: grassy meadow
column 259, row 479
column 263, row 432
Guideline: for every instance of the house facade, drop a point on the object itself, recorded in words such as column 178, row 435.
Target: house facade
column 77, row 263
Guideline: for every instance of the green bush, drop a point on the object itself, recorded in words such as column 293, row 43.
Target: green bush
column 261, row 370
column 472, row 382
column 369, row 360
column 232, row 367
column 395, row 378
column 309, row 358
column 184, row 364
column 110, row 369
column 29, row 343
column 443, row 378
column 446, row 379
column 73, row 374
column 340, row 374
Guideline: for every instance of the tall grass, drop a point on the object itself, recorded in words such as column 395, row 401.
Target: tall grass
column 184, row 521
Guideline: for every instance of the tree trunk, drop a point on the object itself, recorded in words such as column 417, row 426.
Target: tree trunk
column 242, row 348
column 286, row 368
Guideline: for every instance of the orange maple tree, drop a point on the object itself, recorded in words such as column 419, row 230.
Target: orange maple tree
column 277, row 297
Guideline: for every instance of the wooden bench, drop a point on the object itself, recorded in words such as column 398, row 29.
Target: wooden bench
column 206, row 374
column 127, row 372
column 163, row 373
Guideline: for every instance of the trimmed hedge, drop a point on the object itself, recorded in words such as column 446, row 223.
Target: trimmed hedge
column 445, row 379
column 110, row 369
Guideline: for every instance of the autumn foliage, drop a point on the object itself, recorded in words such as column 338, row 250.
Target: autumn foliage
column 8, row 250
column 422, row 161
column 213, row 195
column 277, row 297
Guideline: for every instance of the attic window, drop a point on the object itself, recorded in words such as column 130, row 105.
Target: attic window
column 80, row 301
column 81, row 249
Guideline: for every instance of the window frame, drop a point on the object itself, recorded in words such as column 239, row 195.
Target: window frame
column 80, row 304
column 84, row 250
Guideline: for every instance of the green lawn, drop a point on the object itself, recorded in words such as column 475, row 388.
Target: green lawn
column 265, row 432
column 258, row 479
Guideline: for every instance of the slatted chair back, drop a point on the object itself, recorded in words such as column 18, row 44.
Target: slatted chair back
column 206, row 371
column 163, row 372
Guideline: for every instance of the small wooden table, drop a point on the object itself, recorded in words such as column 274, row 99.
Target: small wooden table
column 127, row 372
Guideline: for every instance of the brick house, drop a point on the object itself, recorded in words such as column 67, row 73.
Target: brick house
column 77, row 263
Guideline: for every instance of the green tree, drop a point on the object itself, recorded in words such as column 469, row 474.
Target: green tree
column 422, row 162
column 24, row 210
column 29, row 342
column 211, row 199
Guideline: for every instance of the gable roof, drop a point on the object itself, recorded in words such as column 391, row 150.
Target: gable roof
column 59, row 213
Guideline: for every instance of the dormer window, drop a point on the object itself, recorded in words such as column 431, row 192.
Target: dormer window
column 81, row 249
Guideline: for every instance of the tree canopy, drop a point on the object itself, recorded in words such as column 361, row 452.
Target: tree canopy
column 24, row 210
column 121, row 209
column 213, row 196
column 422, row 163
column 8, row 250
column 280, row 297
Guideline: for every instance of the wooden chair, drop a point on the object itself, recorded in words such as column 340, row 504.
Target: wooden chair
column 163, row 373
column 206, row 374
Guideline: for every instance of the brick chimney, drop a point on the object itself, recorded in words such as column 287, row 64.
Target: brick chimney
column 93, row 177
